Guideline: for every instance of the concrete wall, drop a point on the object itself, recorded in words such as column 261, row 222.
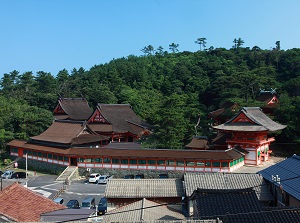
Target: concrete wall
column 120, row 173
column 39, row 166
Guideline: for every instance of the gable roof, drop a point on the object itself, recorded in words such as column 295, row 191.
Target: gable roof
column 198, row 142
column 144, row 188
column 121, row 117
column 72, row 108
column 23, row 205
column 289, row 173
column 67, row 214
column 68, row 132
column 213, row 203
column 227, row 181
column 256, row 120
column 141, row 211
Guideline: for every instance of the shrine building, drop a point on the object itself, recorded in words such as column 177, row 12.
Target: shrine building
column 249, row 134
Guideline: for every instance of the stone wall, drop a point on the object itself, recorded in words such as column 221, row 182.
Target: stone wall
column 39, row 166
column 120, row 173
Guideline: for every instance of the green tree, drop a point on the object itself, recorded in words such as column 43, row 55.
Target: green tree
column 201, row 42
column 174, row 47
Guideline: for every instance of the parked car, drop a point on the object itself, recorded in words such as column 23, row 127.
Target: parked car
column 139, row 176
column 17, row 175
column 103, row 179
column 88, row 203
column 59, row 200
column 102, row 206
column 94, row 177
column 73, row 204
column 7, row 174
column 163, row 176
column 129, row 176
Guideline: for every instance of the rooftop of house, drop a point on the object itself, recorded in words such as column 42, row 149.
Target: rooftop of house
column 227, row 181
column 20, row 204
column 198, row 142
column 250, row 119
column 144, row 188
column 142, row 211
column 288, row 172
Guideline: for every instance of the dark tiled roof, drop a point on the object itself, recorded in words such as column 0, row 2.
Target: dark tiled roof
column 227, row 155
column 67, row 215
column 144, row 188
column 260, row 122
column 227, row 181
column 75, row 108
column 100, row 127
column 225, row 106
column 121, row 116
column 23, row 205
column 68, row 132
column 123, row 145
column 213, row 203
column 142, row 211
column 289, row 173
column 198, row 142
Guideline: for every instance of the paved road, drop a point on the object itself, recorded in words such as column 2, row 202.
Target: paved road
column 47, row 186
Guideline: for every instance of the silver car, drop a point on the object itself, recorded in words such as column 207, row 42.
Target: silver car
column 7, row 174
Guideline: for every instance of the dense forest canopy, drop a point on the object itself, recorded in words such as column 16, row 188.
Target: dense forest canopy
column 169, row 90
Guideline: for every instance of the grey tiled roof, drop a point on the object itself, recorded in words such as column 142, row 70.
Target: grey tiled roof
column 228, row 181
column 144, row 188
column 261, row 122
column 289, row 173
column 143, row 210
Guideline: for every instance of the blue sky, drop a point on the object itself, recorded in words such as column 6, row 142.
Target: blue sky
column 50, row 35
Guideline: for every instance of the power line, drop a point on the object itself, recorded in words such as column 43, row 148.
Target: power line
column 227, row 191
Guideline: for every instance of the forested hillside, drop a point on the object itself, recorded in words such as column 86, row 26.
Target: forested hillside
column 167, row 89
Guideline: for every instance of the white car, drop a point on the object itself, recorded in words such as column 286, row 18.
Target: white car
column 94, row 177
column 104, row 179
column 7, row 174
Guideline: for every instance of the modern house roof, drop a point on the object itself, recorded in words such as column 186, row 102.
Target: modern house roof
column 227, row 181
column 198, row 142
column 250, row 119
column 227, row 155
column 80, row 215
column 20, row 204
column 142, row 211
column 68, row 132
column 72, row 108
column 289, row 173
column 220, row 203
column 144, row 188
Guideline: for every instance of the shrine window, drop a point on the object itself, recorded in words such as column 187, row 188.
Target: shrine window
column 29, row 152
column 151, row 162
column 81, row 160
column 66, row 159
column 170, row 162
column 179, row 163
column 45, row 155
column 14, row 150
column 55, row 157
column 98, row 160
column 143, row 162
column 124, row 161
column 189, row 163
column 250, row 138
column 87, row 160
column 25, row 151
column 200, row 163
column 49, row 156
column 106, row 160
column 115, row 161
column 224, row 164
column 34, row 153
column 216, row 164
column 60, row 158
column 132, row 161
column 160, row 162
column 207, row 164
